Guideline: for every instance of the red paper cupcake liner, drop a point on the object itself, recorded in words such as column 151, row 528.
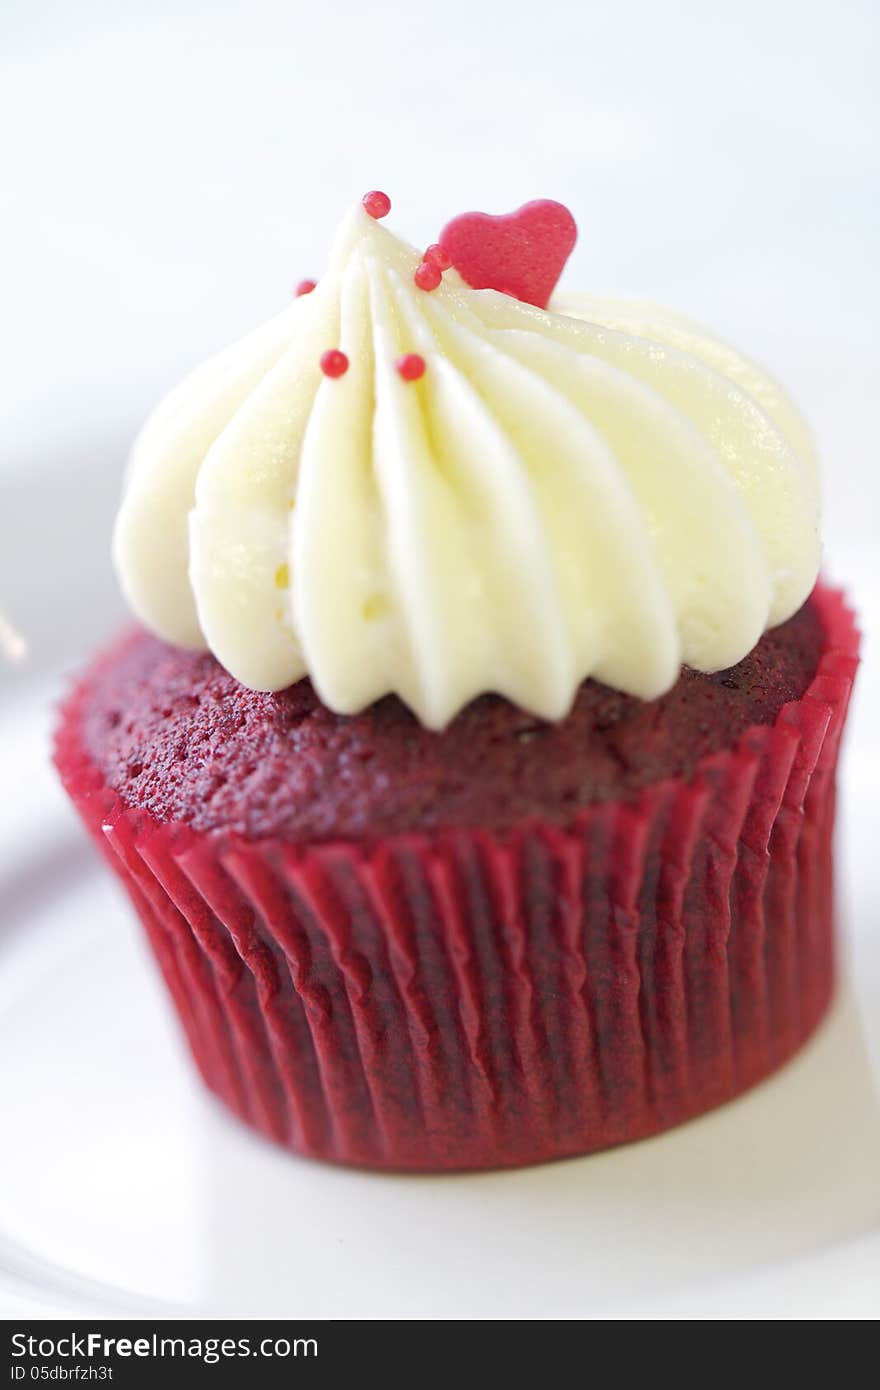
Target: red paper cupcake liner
column 471, row 1000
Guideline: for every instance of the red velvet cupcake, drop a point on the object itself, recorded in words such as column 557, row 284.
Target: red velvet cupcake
column 476, row 791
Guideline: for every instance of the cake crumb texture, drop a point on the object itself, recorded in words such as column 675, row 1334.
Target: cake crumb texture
column 174, row 734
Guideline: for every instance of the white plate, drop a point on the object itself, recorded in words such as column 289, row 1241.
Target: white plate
column 124, row 1189
column 121, row 1185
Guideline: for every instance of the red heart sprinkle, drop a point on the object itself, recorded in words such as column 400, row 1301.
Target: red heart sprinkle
column 521, row 253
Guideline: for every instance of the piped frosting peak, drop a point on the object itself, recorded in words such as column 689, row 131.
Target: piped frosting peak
column 403, row 484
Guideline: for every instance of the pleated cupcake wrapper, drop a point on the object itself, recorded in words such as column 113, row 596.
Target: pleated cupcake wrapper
column 465, row 999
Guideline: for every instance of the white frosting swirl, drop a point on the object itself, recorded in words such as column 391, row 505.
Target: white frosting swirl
column 598, row 490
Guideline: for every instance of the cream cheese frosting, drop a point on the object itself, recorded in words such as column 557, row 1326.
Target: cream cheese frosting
column 597, row 489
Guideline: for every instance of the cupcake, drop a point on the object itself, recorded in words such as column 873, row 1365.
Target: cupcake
column 472, row 768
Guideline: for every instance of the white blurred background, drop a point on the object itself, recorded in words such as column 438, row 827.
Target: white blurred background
column 171, row 168
column 169, row 171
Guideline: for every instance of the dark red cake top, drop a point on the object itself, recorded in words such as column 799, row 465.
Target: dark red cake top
column 175, row 734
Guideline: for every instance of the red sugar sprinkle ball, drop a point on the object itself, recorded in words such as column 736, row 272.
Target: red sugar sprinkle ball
column 305, row 287
column 428, row 276
column 334, row 362
column 438, row 255
column 377, row 204
column 411, row 366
